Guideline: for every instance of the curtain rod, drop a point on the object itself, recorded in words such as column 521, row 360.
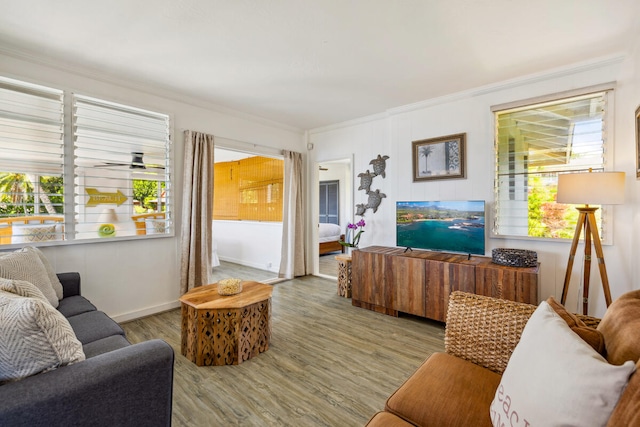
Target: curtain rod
column 238, row 145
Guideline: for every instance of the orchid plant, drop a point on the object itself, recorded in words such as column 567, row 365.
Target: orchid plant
column 351, row 228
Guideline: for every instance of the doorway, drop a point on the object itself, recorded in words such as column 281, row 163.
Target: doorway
column 247, row 233
column 335, row 209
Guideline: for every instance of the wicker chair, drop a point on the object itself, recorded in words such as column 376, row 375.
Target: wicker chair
column 486, row 330
column 456, row 388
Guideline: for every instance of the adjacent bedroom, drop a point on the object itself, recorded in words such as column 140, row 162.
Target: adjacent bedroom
column 335, row 211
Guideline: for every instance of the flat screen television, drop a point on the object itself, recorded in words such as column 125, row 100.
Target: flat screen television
column 449, row 226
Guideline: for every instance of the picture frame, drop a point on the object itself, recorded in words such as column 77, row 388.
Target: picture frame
column 439, row 158
column 638, row 142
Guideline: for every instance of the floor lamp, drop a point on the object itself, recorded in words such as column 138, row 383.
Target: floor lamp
column 596, row 188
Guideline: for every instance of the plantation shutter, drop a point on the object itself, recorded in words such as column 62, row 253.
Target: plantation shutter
column 115, row 146
column 536, row 142
column 32, row 150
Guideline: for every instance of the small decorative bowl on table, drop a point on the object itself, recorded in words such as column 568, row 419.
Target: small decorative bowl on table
column 514, row 257
column 230, row 286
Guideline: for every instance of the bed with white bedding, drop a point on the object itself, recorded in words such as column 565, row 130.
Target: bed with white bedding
column 330, row 236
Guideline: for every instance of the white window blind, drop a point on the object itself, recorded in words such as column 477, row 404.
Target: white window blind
column 121, row 152
column 536, row 142
column 32, row 155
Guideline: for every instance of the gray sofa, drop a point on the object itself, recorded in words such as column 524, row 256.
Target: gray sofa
column 119, row 384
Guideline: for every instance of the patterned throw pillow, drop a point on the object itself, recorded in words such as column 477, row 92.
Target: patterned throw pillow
column 22, row 288
column 33, row 233
column 26, row 265
column 35, row 338
column 53, row 277
column 155, row 226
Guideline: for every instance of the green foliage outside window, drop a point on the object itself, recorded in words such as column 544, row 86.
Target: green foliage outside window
column 145, row 195
column 546, row 217
column 17, row 192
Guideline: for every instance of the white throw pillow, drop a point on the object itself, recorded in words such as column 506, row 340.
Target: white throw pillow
column 35, row 338
column 53, row 277
column 554, row 378
column 30, row 233
column 26, row 265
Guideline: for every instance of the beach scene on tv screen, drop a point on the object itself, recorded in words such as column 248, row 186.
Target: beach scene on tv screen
column 450, row 226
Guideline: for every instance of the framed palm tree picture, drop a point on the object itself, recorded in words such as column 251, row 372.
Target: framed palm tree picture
column 439, row 158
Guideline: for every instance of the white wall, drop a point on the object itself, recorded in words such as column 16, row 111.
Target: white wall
column 128, row 279
column 251, row 243
column 391, row 132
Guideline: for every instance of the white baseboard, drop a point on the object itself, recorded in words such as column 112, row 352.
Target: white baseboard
column 247, row 263
column 120, row 318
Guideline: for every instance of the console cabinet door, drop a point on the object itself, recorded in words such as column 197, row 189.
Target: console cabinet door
column 406, row 278
column 368, row 277
column 511, row 283
column 442, row 278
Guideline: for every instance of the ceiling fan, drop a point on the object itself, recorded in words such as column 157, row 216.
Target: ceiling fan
column 137, row 162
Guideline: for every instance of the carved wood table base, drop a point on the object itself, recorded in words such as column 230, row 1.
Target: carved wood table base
column 344, row 275
column 225, row 330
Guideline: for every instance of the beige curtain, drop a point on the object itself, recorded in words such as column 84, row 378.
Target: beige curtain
column 292, row 259
column 197, row 211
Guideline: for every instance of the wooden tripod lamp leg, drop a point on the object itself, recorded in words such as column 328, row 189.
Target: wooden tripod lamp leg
column 601, row 266
column 572, row 255
column 587, row 220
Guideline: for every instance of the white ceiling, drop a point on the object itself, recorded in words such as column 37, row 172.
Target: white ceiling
column 310, row 63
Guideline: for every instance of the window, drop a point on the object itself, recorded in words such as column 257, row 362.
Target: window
column 536, row 142
column 109, row 177
column 32, row 163
column 248, row 189
column 329, row 202
column 122, row 169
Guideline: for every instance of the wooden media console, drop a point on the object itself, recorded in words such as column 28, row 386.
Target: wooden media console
column 392, row 280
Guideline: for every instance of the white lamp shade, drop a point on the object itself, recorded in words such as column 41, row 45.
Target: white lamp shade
column 108, row 216
column 591, row 188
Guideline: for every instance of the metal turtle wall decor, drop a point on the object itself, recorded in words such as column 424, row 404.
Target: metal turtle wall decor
column 379, row 165
column 375, row 197
column 361, row 208
column 366, row 178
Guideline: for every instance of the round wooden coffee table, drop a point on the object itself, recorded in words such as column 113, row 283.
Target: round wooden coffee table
column 225, row 330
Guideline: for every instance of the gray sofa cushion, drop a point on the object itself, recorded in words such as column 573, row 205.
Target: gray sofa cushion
column 104, row 345
column 72, row 306
column 94, row 325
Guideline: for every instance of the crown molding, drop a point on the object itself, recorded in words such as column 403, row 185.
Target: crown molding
column 137, row 85
column 564, row 71
column 349, row 123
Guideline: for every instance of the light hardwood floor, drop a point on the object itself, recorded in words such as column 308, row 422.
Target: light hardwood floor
column 328, row 364
column 328, row 264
